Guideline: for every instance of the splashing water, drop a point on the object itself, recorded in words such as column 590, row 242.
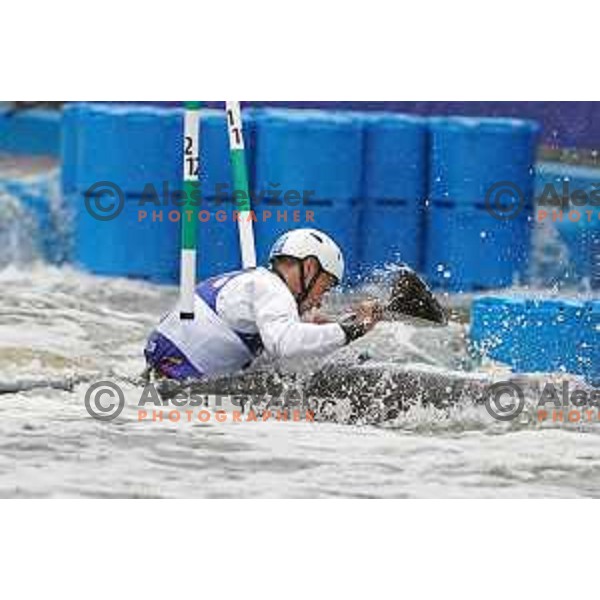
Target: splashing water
column 58, row 322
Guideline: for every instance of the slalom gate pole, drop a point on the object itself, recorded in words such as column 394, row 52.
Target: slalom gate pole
column 191, row 167
column 240, row 183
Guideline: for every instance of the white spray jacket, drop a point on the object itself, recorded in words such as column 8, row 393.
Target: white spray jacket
column 237, row 315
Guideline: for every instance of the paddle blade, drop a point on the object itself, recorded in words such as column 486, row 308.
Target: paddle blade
column 412, row 297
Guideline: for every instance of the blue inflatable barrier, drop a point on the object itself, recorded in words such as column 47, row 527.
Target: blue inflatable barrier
column 130, row 146
column 394, row 191
column 578, row 222
column 97, row 146
column 33, row 132
column 545, row 335
column 494, row 323
column 391, row 233
column 218, row 238
column 73, row 114
column 139, row 149
column 126, row 246
column 590, row 347
column 468, row 250
column 143, row 240
column 363, row 179
column 313, row 151
column 395, row 158
column 469, row 156
column 481, row 172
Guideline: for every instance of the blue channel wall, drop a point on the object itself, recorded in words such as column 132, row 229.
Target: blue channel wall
column 138, row 148
column 387, row 187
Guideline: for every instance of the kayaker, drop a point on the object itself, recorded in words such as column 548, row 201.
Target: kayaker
column 238, row 315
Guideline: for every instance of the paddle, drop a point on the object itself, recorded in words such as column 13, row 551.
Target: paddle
column 411, row 297
column 410, row 300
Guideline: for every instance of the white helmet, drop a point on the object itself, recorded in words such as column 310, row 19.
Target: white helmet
column 302, row 243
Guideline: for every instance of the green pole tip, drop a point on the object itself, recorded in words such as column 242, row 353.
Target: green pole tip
column 192, row 105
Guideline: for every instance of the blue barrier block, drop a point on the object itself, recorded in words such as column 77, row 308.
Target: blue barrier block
column 70, row 158
column 467, row 249
column 495, row 324
column 138, row 244
column 538, row 335
column 218, row 239
column 133, row 145
column 126, row 246
column 551, row 337
column 34, row 132
column 590, row 347
column 468, row 156
column 583, row 242
column 578, row 226
column 309, row 150
column 391, row 234
column 128, row 145
column 395, row 159
column 394, row 191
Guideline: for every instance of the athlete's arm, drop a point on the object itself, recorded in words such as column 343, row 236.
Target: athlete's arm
column 282, row 332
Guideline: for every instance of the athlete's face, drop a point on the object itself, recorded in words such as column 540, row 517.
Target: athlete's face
column 322, row 285
column 294, row 271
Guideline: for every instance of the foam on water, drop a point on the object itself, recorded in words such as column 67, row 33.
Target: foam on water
column 59, row 322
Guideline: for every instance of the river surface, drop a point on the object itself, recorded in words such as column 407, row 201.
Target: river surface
column 58, row 322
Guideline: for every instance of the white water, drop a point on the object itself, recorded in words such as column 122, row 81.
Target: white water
column 58, row 322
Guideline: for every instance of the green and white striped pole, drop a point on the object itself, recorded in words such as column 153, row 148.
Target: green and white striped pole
column 240, row 183
column 191, row 166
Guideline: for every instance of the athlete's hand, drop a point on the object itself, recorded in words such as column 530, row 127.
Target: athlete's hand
column 369, row 312
column 366, row 314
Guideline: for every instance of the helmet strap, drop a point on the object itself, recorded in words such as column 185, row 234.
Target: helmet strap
column 306, row 288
